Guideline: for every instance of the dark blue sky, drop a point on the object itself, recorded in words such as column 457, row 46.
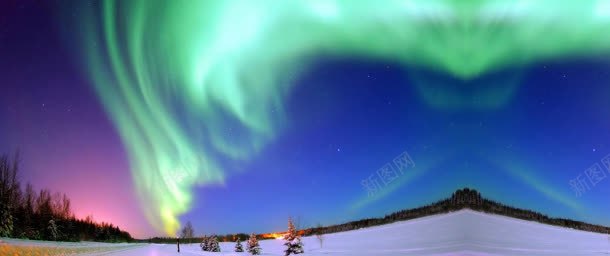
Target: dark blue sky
column 346, row 118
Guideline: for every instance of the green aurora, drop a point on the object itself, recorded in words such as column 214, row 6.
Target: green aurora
column 231, row 62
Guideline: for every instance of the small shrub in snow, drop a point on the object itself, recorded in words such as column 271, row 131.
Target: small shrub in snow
column 204, row 244
column 213, row 245
column 293, row 240
column 238, row 246
column 253, row 247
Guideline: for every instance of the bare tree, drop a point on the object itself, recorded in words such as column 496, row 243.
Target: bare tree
column 320, row 234
column 298, row 222
column 187, row 231
column 66, row 210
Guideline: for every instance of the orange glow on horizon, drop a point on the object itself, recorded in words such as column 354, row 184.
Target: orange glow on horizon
column 278, row 236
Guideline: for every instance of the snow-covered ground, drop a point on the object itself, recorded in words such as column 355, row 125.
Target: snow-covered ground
column 460, row 233
column 23, row 242
column 49, row 248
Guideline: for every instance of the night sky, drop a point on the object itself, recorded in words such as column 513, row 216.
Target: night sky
column 518, row 133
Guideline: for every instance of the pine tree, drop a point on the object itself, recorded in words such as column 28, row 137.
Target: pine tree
column 213, row 244
column 238, row 246
column 210, row 242
column 6, row 221
column 253, row 247
column 205, row 243
column 53, row 230
column 293, row 240
column 9, row 188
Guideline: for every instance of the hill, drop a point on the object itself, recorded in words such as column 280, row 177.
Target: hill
column 461, row 199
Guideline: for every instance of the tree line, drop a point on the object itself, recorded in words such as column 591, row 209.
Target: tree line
column 461, row 199
column 42, row 215
column 193, row 239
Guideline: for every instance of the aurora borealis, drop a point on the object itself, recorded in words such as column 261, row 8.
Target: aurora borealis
column 212, row 99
